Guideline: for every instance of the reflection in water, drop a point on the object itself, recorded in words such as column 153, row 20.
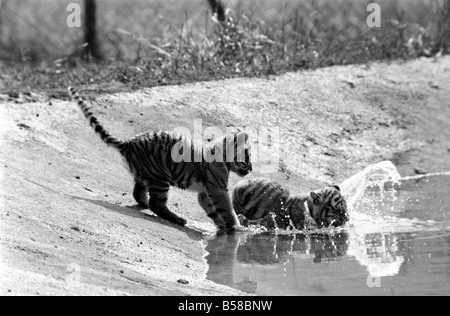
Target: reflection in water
column 382, row 254
column 398, row 235
column 281, row 264
column 319, row 247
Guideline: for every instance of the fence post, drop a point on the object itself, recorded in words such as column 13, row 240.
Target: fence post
column 218, row 7
column 90, row 30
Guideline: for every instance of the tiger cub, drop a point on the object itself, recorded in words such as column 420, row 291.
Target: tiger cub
column 150, row 157
column 256, row 199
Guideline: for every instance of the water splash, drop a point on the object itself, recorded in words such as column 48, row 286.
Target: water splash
column 375, row 200
column 372, row 199
column 375, row 203
column 373, row 190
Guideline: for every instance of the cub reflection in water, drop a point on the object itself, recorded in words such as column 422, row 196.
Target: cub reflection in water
column 242, row 260
column 224, row 251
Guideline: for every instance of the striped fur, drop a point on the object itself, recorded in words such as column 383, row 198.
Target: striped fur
column 150, row 157
column 258, row 198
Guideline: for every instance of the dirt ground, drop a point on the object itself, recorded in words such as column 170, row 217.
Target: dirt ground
column 69, row 224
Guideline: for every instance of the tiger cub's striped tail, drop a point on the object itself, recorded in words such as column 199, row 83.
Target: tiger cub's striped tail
column 106, row 137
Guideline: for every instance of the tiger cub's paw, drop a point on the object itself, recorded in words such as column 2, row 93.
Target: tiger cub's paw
column 240, row 228
column 181, row 221
column 231, row 230
column 243, row 221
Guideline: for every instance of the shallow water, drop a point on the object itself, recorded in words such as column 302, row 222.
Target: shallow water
column 397, row 243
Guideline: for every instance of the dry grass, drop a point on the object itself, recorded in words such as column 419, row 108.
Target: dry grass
column 148, row 43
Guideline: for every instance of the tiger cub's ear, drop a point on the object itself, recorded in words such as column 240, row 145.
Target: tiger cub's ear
column 336, row 187
column 316, row 197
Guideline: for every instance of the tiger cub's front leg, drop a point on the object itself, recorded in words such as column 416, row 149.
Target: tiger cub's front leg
column 208, row 205
column 221, row 202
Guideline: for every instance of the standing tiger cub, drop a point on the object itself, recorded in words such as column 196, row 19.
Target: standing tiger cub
column 256, row 199
column 153, row 159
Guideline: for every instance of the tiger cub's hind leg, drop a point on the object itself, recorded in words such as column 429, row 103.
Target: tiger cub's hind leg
column 158, row 204
column 206, row 203
column 140, row 194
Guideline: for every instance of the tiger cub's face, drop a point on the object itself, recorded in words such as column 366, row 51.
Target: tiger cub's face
column 329, row 207
column 237, row 153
